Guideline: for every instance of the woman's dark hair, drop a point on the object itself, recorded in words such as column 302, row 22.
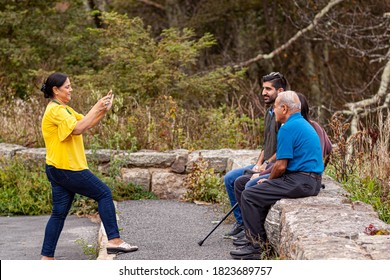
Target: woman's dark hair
column 277, row 80
column 54, row 80
column 304, row 106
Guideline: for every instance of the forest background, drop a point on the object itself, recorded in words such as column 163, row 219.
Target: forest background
column 185, row 74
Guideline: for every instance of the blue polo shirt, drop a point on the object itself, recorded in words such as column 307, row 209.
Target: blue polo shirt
column 299, row 143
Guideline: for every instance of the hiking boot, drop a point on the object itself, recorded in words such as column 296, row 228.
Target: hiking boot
column 241, row 241
column 237, row 228
column 239, row 235
column 247, row 252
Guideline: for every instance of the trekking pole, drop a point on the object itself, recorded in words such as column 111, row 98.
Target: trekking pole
column 220, row 222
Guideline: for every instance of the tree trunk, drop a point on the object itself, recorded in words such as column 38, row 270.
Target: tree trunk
column 174, row 13
column 311, row 72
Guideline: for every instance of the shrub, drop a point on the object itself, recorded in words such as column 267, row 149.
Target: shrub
column 23, row 190
column 127, row 191
column 203, row 184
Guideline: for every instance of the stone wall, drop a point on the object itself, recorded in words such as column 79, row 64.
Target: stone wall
column 328, row 226
column 160, row 172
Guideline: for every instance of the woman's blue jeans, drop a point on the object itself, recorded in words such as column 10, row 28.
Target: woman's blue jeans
column 65, row 184
column 229, row 179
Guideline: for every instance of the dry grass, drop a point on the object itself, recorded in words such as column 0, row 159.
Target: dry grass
column 362, row 162
column 366, row 152
column 21, row 122
column 379, row 156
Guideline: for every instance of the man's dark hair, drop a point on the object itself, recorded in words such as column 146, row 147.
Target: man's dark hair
column 277, row 80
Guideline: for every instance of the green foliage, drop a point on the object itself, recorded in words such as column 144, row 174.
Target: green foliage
column 138, row 67
column 90, row 250
column 370, row 191
column 23, row 190
column 41, row 35
column 203, row 184
column 127, row 191
column 158, row 87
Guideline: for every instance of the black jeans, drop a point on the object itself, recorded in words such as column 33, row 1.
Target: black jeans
column 256, row 201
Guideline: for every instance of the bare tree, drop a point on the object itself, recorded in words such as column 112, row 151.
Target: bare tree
column 363, row 35
column 368, row 37
column 375, row 103
column 294, row 38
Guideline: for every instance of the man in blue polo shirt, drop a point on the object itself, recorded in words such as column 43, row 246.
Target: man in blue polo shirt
column 296, row 173
column 272, row 84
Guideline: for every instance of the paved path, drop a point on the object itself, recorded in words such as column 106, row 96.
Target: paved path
column 162, row 229
column 170, row 230
column 22, row 236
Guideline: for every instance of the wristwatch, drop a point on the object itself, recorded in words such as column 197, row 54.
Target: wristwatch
column 266, row 162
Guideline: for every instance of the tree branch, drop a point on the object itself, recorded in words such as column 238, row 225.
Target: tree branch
column 297, row 35
column 154, row 4
column 361, row 108
column 382, row 91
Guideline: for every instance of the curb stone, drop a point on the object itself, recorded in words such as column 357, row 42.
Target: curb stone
column 102, row 241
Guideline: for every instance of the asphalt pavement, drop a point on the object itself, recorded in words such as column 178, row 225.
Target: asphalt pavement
column 22, row 238
column 171, row 230
column 162, row 229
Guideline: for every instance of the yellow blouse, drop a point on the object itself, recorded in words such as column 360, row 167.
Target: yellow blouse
column 63, row 150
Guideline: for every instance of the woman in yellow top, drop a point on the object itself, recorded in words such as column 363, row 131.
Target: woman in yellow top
column 66, row 164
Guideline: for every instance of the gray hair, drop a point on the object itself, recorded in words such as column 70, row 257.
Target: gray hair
column 290, row 99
